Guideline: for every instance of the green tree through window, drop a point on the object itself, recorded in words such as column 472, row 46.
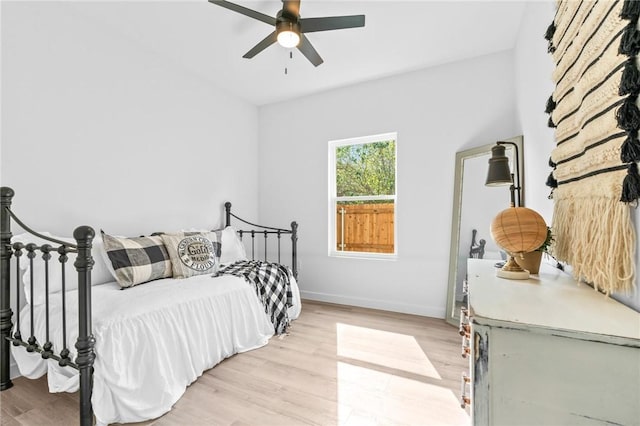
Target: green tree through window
column 366, row 169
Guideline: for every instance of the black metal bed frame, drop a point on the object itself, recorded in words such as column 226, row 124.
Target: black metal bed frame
column 265, row 231
column 85, row 343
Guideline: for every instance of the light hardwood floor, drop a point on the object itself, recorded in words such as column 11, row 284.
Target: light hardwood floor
column 339, row 365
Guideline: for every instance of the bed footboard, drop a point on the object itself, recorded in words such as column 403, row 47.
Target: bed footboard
column 83, row 264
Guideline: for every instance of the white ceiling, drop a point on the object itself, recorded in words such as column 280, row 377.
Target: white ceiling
column 399, row 36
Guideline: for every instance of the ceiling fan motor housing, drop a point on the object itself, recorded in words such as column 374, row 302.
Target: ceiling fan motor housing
column 287, row 22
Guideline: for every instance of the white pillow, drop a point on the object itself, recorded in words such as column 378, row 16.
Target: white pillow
column 232, row 248
column 99, row 273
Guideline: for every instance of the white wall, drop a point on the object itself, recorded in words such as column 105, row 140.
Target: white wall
column 534, row 85
column 533, row 67
column 436, row 112
column 102, row 132
column 98, row 131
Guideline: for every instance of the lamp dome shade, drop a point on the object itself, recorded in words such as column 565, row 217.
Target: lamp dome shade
column 498, row 173
column 519, row 230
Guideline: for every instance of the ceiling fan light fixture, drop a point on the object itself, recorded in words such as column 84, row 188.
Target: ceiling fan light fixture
column 288, row 36
column 290, row 27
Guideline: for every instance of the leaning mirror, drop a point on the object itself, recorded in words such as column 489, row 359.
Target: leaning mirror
column 474, row 207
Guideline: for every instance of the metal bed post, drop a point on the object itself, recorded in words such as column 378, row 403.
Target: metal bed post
column 85, row 343
column 227, row 209
column 294, row 248
column 6, row 195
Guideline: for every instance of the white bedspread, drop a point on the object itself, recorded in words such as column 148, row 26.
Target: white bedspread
column 152, row 340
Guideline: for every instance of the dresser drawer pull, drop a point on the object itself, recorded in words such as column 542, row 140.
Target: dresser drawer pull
column 466, row 349
column 464, row 399
column 465, row 329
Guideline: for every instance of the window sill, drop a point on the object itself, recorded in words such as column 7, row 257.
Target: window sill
column 363, row 255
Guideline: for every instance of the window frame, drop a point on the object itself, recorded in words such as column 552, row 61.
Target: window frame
column 334, row 199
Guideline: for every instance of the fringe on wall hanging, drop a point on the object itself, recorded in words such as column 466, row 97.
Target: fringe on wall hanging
column 594, row 111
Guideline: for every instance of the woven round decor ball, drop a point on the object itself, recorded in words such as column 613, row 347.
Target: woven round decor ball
column 519, row 230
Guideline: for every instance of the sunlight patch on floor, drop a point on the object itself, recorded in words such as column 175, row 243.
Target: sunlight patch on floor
column 384, row 348
column 370, row 397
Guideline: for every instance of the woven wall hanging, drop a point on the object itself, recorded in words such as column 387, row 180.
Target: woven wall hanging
column 594, row 111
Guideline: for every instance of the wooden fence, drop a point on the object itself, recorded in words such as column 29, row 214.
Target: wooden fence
column 367, row 227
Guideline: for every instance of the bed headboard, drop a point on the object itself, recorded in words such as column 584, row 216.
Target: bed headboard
column 265, row 231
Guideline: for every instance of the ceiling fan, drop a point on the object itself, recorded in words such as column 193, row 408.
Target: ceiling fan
column 290, row 28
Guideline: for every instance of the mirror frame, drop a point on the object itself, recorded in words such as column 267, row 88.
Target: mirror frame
column 451, row 314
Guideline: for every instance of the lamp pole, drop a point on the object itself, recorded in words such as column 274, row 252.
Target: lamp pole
column 515, row 185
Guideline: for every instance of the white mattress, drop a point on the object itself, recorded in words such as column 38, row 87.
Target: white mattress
column 152, row 340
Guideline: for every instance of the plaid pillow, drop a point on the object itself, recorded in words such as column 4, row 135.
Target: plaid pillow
column 193, row 253
column 137, row 260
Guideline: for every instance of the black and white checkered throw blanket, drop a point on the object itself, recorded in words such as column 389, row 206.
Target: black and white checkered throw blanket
column 272, row 283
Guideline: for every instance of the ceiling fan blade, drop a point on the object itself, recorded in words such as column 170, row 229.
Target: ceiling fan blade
column 309, row 51
column 292, row 6
column 245, row 11
column 266, row 42
column 311, row 25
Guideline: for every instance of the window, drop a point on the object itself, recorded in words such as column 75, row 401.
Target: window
column 362, row 197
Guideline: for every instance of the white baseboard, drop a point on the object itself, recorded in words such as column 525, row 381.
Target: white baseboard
column 385, row 305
